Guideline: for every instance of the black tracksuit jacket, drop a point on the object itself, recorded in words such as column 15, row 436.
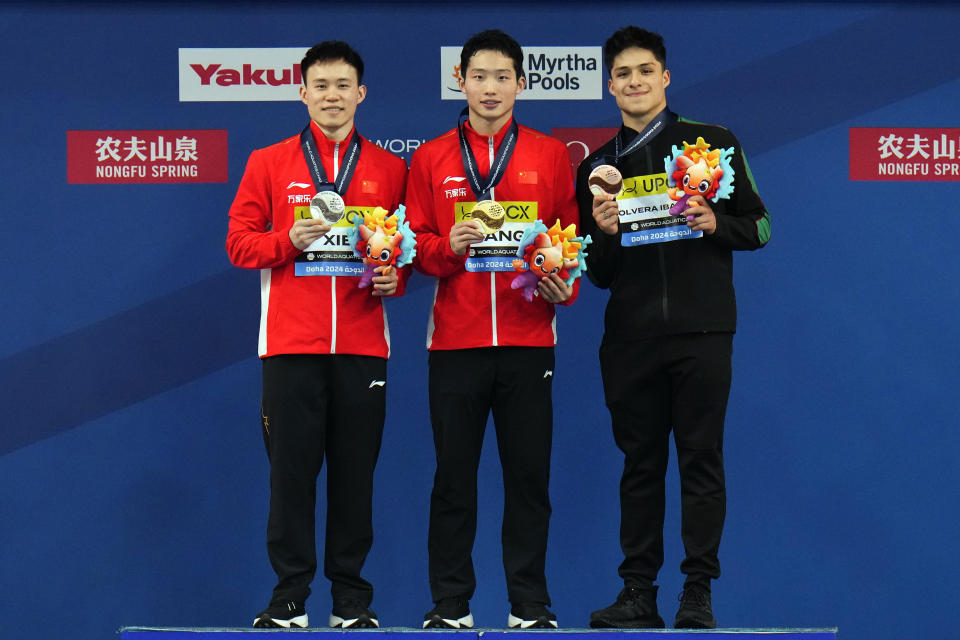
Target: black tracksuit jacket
column 681, row 286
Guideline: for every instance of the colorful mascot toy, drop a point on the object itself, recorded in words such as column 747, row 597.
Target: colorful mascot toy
column 382, row 241
column 698, row 171
column 544, row 251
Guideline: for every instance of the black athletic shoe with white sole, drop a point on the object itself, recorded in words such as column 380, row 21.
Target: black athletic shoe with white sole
column 282, row 615
column 531, row 615
column 350, row 613
column 449, row 613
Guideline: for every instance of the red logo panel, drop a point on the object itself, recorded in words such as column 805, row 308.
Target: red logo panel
column 901, row 153
column 582, row 141
column 146, row 156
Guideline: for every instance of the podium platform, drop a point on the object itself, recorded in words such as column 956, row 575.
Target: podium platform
column 400, row 633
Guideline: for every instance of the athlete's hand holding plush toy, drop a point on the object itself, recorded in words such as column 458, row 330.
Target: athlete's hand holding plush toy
column 382, row 241
column 698, row 171
column 546, row 251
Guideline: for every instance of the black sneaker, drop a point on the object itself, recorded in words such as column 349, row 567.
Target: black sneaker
column 449, row 613
column 350, row 613
column 284, row 614
column 531, row 615
column 635, row 608
column 695, row 611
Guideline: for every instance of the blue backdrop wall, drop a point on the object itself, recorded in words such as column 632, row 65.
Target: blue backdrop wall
column 134, row 487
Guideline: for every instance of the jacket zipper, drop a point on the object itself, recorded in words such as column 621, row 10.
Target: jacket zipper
column 333, row 279
column 493, row 274
column 663, row 282
column 664, row 303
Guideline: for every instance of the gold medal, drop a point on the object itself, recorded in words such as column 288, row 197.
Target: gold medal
column 489, row 213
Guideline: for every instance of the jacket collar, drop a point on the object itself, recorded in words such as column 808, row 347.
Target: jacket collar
column 325, row 145
column 498, row 137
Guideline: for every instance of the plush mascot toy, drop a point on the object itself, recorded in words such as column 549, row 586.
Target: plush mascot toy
column 698, row 170
column 382, row 241
column 544, row 251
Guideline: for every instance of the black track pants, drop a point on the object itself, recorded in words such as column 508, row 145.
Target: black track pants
column 679, row 383
column 318, row 407
column 465, row 385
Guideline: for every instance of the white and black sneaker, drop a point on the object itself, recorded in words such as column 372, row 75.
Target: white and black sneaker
column 350, row 613
column 531, row 615
column 450, row 613
column 283, row 614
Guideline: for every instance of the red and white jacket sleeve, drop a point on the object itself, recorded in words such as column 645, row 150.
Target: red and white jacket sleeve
column 252, row 243
column 434, row 256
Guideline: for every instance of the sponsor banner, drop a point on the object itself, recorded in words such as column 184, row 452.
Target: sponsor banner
column 904, row 154
column 147, row 156
column 240, row 75
column 553, row 73
column 582, row 141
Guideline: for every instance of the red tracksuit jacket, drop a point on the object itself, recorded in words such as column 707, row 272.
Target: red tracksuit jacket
column 478, row 308
column 318, row 314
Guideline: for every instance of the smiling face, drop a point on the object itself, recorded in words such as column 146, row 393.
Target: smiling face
column 491, row 86
column 381, row 248
column 332, row 92
column 545, row 258
column 638, row 82
column 697, row 179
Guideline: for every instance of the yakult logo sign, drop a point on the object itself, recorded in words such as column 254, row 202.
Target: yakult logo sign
column 553, row 73
column 240, row 75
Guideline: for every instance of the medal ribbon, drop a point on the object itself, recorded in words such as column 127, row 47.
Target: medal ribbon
column 312, row 156
column 497, row 168
column 653, row 128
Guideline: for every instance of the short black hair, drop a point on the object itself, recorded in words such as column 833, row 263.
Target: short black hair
column 492, row 40
column 331, row 51
column 631, row 36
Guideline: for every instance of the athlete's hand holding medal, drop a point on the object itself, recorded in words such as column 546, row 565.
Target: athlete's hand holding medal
column 326, row 210
column 605, row 184
column 486, row 217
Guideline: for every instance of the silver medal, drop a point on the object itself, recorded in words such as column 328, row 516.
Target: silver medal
column 327, row 205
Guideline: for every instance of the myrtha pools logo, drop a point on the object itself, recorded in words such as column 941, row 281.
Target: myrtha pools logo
column 553, row 73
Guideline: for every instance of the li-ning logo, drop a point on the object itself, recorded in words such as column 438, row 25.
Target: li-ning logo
column 547, row 374
column 457, row 191
column 301, row 185
column 376, row 383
